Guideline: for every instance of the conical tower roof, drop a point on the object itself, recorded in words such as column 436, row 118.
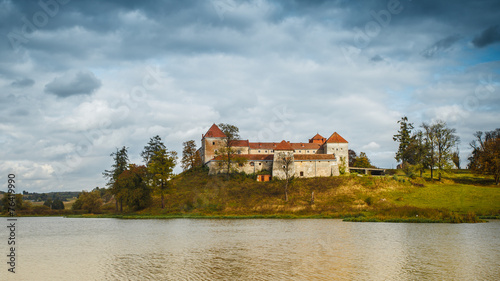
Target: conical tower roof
column 336, row 138
column 214, row 132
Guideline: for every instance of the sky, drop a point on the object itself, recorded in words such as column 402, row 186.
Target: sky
column 79, row 79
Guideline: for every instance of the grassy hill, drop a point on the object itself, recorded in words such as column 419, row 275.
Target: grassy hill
column 459, row 197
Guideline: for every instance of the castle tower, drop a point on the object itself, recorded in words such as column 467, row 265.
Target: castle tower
column 210, row 142
column 317, row 139
column 283, row 160
column 338, row 146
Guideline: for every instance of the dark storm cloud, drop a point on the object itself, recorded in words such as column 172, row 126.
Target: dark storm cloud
column 24, row 82
column 440, row 46
column 489, row 36
column 79, row 83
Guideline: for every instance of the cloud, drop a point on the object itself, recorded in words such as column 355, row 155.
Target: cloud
column 275, row 69
column 371, row 146
column 489, row 36
column 440, row 46
column 70, row 84
column 21, row 83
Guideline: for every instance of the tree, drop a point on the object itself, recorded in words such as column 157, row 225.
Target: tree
column 89, row 201
column 404, row 138
column 439, row 140
column 226, row 151
column 155, row 144
column 429, row 139
column 352, row 157
column 161, row 167
column 362, row 161
column 485, row 158
column 446, row 139
column 48, row 203
column 455, row 157
column 9, row 199
column 420, row 149
column 133, row 187
column 57, row 204
column 285, row 164
column 120, row 158
column 190, row 156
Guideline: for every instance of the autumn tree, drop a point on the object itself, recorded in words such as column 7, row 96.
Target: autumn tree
column 89, row 201
column 190, row 156
column 485, row 158
column 120, row 158
column 362, row 161
column 352, row 157
column 404, row 138
column 161, row 167
column 133, row 186
column 227, row 152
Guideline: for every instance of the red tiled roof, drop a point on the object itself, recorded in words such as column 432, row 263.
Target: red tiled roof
column 214, row 132
column 273, row 145
column 255, row 157
column 262, row 145
column 299, row 157
column 336, row 138
column 317, row 139
column 283, row 145
column 239, row 143
column 297, row 146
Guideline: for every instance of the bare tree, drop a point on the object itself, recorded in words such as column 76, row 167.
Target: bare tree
column 227, row 152
column 285, row 162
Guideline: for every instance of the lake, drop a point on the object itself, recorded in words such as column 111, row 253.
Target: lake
column 54, row 248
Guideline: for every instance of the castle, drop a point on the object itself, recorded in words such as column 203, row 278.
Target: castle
column 320, row 157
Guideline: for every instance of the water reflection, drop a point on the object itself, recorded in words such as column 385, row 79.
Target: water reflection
column 181, row 249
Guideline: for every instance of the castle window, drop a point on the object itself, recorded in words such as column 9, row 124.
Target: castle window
column 308, row 151
column 301, row 174
column 252, row 164
column 241, row 165
column 260, row 164
column 265, row 151
column 259, row 151
column 239, row 151
column 300, row 151
column 213, row 143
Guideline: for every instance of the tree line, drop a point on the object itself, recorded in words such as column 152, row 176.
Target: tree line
column 434, row 147
column 133, row 185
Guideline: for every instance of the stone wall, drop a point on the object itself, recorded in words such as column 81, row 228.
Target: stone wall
column 316, row 168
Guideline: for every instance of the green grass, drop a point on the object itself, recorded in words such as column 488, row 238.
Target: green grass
column 461, row 198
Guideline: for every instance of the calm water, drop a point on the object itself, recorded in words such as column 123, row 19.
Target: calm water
column 189, row 249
